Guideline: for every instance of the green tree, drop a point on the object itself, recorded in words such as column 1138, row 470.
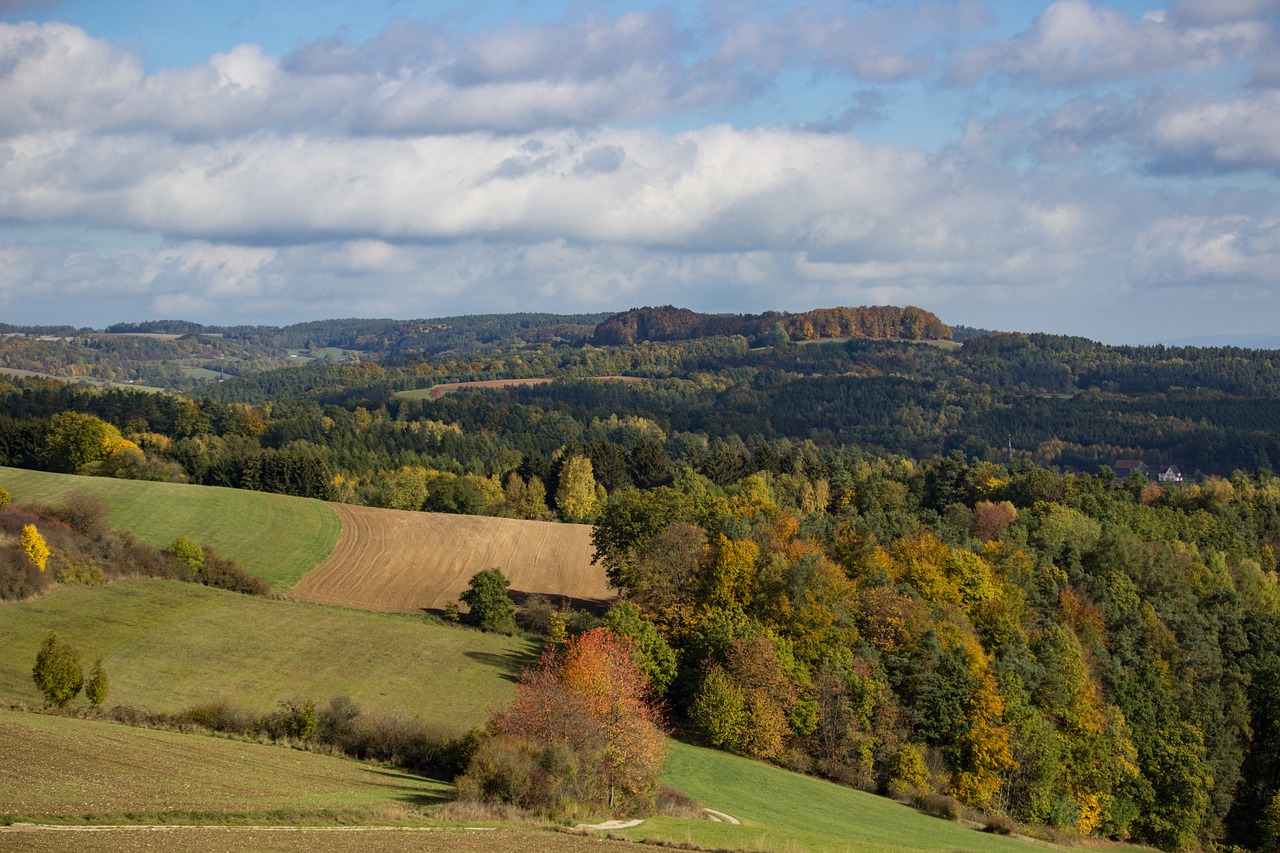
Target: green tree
column 95, row 689
column 490, row 607
column 57, row 671
column 576, row 497
column 656, row 658
column 188, row 551
column 74, row 440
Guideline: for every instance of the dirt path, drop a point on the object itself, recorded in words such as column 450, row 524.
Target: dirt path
column 32, row 838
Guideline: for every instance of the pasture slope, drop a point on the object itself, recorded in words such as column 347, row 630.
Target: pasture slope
column 411, row 561
column 114, row 789
column 435, row 392
column 273, row 537
column 167, row 645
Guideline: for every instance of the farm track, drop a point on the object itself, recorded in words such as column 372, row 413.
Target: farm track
column 395, row 560
column 288, row 839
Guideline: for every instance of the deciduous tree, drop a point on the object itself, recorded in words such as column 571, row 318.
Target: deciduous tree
column 57, row 671
column 33, row 544
column 490, row 607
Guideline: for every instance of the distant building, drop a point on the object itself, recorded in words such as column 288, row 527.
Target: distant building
column 1125, row 467
column 1169, row 474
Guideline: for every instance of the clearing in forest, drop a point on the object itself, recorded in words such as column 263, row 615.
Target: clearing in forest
column 435, row 392
column 397, row 560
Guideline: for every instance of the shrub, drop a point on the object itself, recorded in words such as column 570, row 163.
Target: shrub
column 189, row 552
column 296, row 719
column 57, row 671
column 536, row 615
column 83, row 513
column 4, row 497
column 1001, row 824
column 33, row 544
column 938, row 805
column 491, row 609
column 95, row 689
column 336, row 722
column 219, row 717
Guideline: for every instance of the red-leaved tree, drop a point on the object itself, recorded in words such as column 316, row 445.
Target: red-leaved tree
column 590, row 695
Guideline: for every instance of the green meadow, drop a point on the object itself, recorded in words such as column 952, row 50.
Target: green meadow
column 89, row 771
column 167, row 645
column 273, row 537
column 784, row 811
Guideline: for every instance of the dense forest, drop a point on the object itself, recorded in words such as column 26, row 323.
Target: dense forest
column 906, row 566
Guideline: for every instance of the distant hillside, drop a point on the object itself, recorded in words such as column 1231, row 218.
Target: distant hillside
column 678, row 324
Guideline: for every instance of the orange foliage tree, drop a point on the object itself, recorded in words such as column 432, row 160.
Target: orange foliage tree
column 590, row 695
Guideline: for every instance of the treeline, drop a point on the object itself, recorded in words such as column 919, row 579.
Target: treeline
column 713, row 405
column 1069, row 650
column 669, row 323
column 143, row 353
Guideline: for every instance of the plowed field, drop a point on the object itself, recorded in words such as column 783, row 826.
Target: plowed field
column 407, row 561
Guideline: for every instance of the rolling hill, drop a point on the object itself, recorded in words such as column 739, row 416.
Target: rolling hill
column 167, row 645
column 390, row 559
column 274, row 537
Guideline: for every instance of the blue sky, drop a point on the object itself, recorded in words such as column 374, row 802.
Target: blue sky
column 1102, row 169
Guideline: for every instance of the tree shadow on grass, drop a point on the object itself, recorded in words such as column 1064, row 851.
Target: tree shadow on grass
column 403, row 782
column 511, row 664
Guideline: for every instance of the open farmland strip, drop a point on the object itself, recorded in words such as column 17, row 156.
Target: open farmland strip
column 396, row 560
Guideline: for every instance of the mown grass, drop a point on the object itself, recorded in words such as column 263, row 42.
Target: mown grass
column 273, row 537
column 167, row 645
column 786, row 811
column 64, row 770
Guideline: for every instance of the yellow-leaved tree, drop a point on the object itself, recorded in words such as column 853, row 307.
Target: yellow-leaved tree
column 35, row 546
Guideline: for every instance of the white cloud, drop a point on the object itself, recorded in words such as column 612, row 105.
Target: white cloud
column 1192, row 251
column 1241, row 133
column 1074, row 42
column 426, row 172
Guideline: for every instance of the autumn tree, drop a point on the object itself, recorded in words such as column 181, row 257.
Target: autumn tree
column 57, row 671
column 73, row 440
column 577, row 497
column 588, row 695
column 37, row 550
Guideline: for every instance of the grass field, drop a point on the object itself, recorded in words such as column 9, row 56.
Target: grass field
column 81, row 770
column 785, row 811
column 274, row 537
column 397, row 560
column 167, row 645
column 150, row 790
column 435, row 392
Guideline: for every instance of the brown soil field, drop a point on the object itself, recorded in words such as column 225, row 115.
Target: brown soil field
column 396, row 560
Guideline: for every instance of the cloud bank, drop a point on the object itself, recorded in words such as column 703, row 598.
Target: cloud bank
column 1095, row 163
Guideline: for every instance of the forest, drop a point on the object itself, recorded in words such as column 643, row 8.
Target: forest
column 904, row 565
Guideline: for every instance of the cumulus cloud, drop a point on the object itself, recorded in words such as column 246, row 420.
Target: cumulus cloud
column 1242, row 133
column 1192, row 251
column 1075, row 42
column 590, row 164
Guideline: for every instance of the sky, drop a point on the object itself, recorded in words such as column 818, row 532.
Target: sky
column 1105, row 169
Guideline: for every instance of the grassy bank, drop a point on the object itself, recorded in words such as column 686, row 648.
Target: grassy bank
column 167, row 645
column 273, row 537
